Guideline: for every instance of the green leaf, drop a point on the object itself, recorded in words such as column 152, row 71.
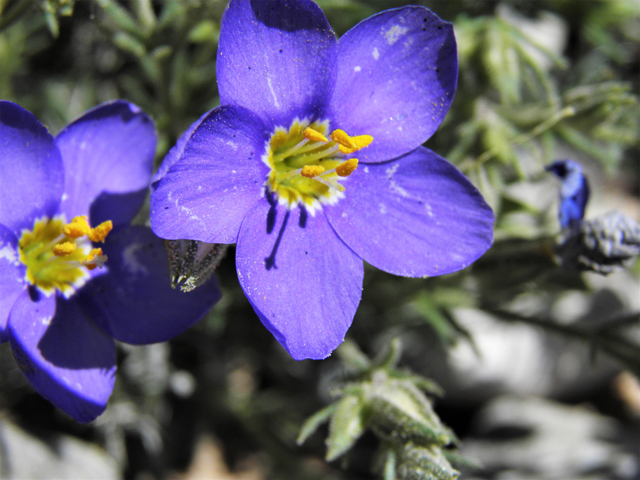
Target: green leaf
column 352, row 357
column 347, row 425
column 390, row 466
column 120, row 17
column 52, row 23
column 391, row 356
column 145, row 14
column 419, row 381
column 498, row 135
column 130, row 44
column 204, row 32
column 312, row 423
column 419, row 462
column 426, row 307
column 398, row 415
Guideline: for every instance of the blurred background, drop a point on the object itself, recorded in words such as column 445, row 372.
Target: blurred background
column 518, row 367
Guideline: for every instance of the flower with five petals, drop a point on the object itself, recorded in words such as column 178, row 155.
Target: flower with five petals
column 313, row 163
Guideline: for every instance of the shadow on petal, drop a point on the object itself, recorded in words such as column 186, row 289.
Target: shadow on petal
column 270, row 261
column 135, row 302
column 446, row 70
column 304, row 215
column 120, row 208
column 285, row 16
column 272, row 215
column 66, row 358
column 72, row 341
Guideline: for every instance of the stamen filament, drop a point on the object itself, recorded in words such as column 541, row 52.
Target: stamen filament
column 310, row 147
column 294, row 149
column 319, row 155
column 46, row 247
column 285, row 175
column 329, row 183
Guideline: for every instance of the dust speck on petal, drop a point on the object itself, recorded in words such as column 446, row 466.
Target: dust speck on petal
column 392, row 170
column 394, row 33
column 9, row 254
column 130, row 259
column 273, row 93
column 429, row 211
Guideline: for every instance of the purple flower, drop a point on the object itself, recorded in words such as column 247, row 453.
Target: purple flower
column 273, row 169
column 67, row 289
column 574, row 192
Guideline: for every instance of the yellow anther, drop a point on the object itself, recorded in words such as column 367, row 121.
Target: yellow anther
column 341, row 137
column 63, row 249
column 360, row 141
column 79, row 227
column 314, row 135
column 347, row 168
column 99, row 233
column 311, row 171
column 97, row 257
column 349, row 144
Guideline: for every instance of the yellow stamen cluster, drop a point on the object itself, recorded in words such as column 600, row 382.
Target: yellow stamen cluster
column 58, row 256
column 306, row 165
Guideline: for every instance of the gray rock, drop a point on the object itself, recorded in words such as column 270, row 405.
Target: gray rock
column 24, row 456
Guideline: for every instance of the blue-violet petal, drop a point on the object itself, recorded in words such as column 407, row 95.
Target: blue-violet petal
column 108, row 156
column 275, row 57
column 396, row 77
column 219, row 178
column 414, row 216
column 302, row 281
column 66, row 357
column 12, row 277
column 31, row 170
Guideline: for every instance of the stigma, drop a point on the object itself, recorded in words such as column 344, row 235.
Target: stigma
column 308, row 164
column 59, row 256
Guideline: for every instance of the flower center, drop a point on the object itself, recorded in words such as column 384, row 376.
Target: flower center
column 59, row 256
column 308, row 167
